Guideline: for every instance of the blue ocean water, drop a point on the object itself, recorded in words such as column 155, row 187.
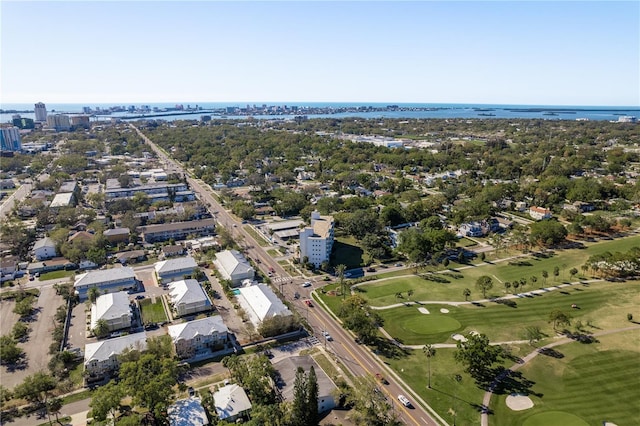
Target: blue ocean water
column 403, row 110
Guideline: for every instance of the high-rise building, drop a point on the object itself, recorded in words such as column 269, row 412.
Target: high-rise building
column 316, row 240
column 10, row 139
column 41, row 112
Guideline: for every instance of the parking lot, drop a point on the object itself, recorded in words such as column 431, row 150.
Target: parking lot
column 36, row 347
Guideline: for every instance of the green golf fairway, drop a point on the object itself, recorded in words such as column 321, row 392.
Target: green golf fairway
column 554, row 418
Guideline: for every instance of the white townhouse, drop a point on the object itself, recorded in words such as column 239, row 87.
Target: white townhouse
column 44, row 249
column 231, row 402
column 114, row 309
column 106, row 281
column 187, row 297
column 197, row 337
column 101, row 358
column 175, row 269
column 233, row 266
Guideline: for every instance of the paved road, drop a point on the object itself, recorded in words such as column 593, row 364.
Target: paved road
column 358, row 359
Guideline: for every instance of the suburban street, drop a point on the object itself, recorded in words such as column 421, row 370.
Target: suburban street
column 357, row 358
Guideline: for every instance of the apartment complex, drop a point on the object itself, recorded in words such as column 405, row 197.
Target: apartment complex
column 316, row 240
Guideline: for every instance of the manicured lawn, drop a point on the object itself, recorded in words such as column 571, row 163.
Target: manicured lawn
column 54, row 275
column 274, row 253
column 346, row 252
column 445, row 394
column 382, row 293
column 594, row 382
column 603, row 304
column 152, row 312
column 259, row 239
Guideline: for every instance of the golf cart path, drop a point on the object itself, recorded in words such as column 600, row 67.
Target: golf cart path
column 484, row 418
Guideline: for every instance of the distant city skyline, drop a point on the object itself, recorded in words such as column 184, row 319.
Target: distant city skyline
column 495, row 52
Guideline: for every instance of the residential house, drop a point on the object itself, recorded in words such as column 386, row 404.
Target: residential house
column 175, row 269
column 81, row 237
column 117, row 235
column 114, row 309
column 316, row 241
column 173, row 250
column 177, row 230
column 101, row 358
column 49, row 265
column 261, row 303
column 44, row 249
column 187, row 298
column 193, row 338
column 187, row 412
column 539, row 213
column 288, row 367
column 8, row 267
column 65, row 199
column 232, row 403
column 106, row 281
column 130, row 256
column 233, row 266
column 473, row 229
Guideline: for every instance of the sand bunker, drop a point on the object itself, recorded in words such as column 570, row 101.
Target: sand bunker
column 609, row 424
column 423, row 311
column 444, row 310
column 519, row 402
column 459, row 337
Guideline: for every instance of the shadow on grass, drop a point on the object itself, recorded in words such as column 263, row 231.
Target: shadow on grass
column 551, row 352
column 507, row 302
column 515, row 382
column 388, row 349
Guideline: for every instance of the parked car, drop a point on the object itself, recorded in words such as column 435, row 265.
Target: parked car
column 140, row 296
column 192, row 391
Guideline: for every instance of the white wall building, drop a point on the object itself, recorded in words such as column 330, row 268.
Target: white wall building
column 106, row 281
column 175, row 269
column 199, row 336
column 188, row 297
column 101, row 358
column 114, row 308
column 261, row 303
column 316, row 241
column 233, row 266
column 231, row 403
column 44, row 249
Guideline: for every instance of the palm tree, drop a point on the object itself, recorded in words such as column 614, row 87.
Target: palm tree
column 429, row 352
column 340, row 271
column 93, row 294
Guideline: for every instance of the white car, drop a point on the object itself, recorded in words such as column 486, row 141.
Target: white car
column 327, row 335
column 306, row 284
column 403, row 399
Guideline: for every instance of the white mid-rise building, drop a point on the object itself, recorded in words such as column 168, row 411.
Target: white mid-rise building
column 316, row 241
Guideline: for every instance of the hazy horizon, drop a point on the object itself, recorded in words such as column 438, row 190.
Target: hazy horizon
column 578, row 53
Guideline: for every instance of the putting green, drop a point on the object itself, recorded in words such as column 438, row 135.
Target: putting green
column 430, row 324
column 554, row 418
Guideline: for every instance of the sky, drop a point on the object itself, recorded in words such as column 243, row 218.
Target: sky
column 491, row 52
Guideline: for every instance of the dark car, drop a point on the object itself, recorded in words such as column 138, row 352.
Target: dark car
column 192, row 391
column 152, row 326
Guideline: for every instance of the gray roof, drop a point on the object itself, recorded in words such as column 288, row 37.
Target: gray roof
column 116, row 231
column 233, row 263
column 287, row 368
column 176, row 264
column 103, row 350
column 187, row 412
column 110, row 306
column 203, row 327
column 104, row 275
column 44, row 242
column 231, row 400
column 186, row 291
